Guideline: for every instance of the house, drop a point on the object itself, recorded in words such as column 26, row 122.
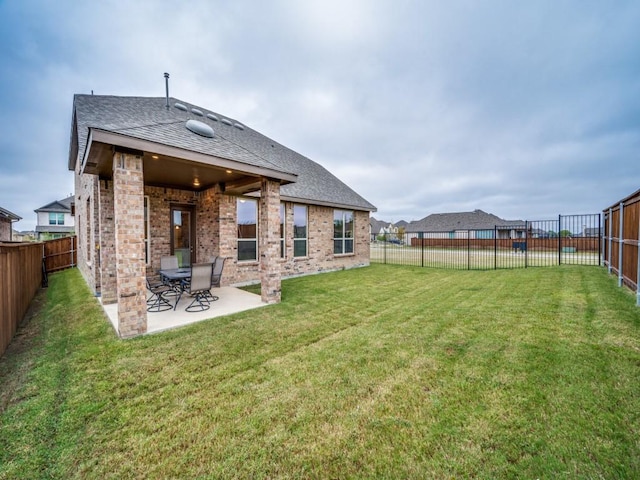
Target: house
column 592, row 232
column 157, row 176
column 6, row 224
column 24, row 236
column 476, row 224
column 391, row 231
column 56, row 219
column 377, row 227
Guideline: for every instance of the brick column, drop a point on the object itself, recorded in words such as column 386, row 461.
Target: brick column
column 107, row 252
column 227, row 236
column 208, row 221
column 269, row 240
column 128, row 209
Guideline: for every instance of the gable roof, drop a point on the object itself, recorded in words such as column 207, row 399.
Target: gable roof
column 7, row 215
column 377, row 225
column 59, row 206
column 146, row 121
column 448, row 222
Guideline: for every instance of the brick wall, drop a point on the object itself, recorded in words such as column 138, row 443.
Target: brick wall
column 107, row 243
column 160, row 202
column 269, row 240
column 86, row 205
column 320, row 257
column 216, row 235
column 128, row 209
column 5, row 229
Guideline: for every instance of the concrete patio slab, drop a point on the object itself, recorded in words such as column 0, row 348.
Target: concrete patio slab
column 231, row 300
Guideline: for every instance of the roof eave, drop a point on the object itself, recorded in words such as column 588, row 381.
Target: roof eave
column 328, row 204
column 73, row 142
column 105, row 137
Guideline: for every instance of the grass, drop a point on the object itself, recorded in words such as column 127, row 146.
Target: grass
column 390, row 372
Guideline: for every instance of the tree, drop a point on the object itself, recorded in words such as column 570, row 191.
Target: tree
column 565, row 233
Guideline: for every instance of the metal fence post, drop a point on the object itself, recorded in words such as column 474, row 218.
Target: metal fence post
column 620, row 244
column 638, row 272
column 421, row 236
column 600, row 242
column 526, row 243
column 559, row 239
column 495, row 247
column 385, row 248
column 468, row 249
column 609, row 241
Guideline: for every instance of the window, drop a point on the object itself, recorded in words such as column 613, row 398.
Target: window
column 56, row 218
column 247, row 219
column 299, row 231
column 147, row 243
column 342, row 232
column 282, row 230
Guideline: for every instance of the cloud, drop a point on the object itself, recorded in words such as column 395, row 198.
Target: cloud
column 522, row 110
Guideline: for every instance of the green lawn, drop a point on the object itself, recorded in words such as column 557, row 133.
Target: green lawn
column 387, row 372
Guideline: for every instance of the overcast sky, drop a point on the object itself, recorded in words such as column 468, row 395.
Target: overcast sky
column 521, row 109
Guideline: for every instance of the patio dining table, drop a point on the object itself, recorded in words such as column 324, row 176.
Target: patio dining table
column 178, row 277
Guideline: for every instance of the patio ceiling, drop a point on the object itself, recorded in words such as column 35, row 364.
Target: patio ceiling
column 173, row 167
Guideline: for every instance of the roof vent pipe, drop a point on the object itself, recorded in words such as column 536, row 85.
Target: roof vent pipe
column 166, row 84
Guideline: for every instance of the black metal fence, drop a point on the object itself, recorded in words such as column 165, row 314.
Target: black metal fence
column 569, row 239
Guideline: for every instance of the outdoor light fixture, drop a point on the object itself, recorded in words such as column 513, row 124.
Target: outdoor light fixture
column 155, row 157
column 196, row 182
column 229, row 171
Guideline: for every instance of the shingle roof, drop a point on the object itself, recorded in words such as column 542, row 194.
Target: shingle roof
column 448, row 222
column 377, row 225
column 7, row 214
column 62, row 206
column 147, row 118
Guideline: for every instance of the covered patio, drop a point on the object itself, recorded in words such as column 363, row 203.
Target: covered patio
column 230, row 300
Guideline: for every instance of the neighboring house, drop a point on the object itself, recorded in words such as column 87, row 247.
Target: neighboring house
column 476, row 224
column 592, row 232
column 160, row 176
column 26, row 236
column 401, row 224
column 379, row 227
column 376, row 226
column 6, row 224
column 56, row 219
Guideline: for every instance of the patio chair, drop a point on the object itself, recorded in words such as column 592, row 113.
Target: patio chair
column 170, row 263
column 200, row 287
column 216, row 275
column 156, row 302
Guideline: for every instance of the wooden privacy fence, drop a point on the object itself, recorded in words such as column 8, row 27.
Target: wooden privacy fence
column 60, row 253
column 23, row 268
column 20, row 278
column 621, row 240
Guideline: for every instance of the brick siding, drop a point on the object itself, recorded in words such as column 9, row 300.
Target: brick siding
column 5, row 229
